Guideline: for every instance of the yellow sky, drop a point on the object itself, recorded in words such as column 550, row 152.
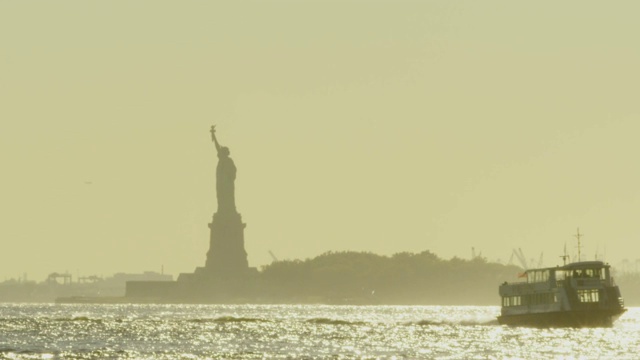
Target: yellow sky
column 380, row 126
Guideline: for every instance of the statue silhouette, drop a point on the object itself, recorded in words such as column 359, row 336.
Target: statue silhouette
column 225, row 177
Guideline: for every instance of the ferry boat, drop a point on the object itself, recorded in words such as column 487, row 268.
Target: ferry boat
column 579, row 294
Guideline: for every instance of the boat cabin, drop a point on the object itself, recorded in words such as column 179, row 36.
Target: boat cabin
column 581, row 286
column 540, row 286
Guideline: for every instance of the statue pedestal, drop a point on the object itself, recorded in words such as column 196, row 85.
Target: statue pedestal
column 226, row 257
column 226, row 276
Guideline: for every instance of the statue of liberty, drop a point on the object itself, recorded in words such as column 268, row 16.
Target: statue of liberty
column 226, row 258
column 225, row 177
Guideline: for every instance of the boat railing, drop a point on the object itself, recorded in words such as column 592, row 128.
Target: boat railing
column 517, row 282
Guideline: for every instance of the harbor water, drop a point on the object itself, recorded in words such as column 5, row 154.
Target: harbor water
column 126, row 331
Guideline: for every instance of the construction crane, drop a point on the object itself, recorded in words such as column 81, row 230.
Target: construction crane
column 540, row 260
column 53, row 278
column 474, row 255
column 521, row 258
column 275, row 259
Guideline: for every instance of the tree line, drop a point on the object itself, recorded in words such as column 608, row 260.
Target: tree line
column 404, row 278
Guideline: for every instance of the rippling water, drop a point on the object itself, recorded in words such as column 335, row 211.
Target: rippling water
column 46, row 331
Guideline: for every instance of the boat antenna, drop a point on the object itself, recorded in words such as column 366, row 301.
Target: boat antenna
column 565, row 256
column 578, row 236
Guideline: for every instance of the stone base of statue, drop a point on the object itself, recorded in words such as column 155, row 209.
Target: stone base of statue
column 226, row 256
column 226, row 276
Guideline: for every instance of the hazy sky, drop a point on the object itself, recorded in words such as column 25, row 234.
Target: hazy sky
column 380, row 126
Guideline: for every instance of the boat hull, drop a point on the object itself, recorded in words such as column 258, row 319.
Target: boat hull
column 575, row 318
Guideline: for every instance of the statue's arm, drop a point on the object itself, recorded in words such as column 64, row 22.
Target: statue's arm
column 213, row 137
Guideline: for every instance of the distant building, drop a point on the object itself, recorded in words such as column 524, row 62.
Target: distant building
column 63, row 285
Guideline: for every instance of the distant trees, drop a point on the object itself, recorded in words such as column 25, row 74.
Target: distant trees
column 403, row 278
column 629, row 283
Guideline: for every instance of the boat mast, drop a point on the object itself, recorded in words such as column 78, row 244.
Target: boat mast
column 578, row 236
column 565, row 256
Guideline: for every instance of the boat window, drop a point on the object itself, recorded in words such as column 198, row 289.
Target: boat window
column 597, row 273
column 589, row 295
column 511, row 301
column 592, row 273
column 539, row 299
column 516, row 300
column 538, row 276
